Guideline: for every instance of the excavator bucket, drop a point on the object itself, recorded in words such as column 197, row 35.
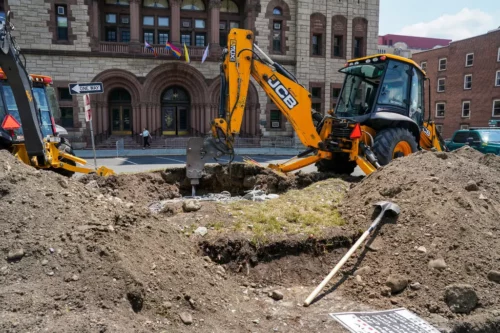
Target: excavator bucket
column 104, row 172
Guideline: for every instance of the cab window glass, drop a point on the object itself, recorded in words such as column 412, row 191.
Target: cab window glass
column 395, row 86
column 12, row 106
column 416, row 104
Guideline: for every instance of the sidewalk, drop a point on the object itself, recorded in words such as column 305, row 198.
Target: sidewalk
column 88, row 153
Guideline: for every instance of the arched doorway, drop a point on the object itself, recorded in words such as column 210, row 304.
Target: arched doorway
column 120, row 109
column 175, row 103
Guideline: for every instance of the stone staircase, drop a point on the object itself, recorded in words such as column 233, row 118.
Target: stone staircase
column 130, row 142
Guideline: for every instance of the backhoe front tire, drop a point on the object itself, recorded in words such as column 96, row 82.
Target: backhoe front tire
column 392, row 143
column 338, row 164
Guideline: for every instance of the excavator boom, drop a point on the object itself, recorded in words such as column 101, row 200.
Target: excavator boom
column 379, row 116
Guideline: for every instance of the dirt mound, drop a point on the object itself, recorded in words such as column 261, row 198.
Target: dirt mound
column 447, row 233
column 77, row 260
column 172, row 183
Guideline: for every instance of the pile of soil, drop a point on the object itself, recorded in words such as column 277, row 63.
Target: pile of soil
column 236, row 178
column 76, row 260
column 445, row 237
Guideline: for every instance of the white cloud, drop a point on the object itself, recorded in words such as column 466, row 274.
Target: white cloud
column 464, row 24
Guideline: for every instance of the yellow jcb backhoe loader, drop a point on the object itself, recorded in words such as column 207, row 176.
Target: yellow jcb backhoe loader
column 379, row 115
column 27, row 127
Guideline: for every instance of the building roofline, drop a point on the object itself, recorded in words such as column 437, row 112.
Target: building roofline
column 461, row 40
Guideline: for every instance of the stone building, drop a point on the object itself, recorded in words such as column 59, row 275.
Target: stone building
column 465, row 82
column 103, row 41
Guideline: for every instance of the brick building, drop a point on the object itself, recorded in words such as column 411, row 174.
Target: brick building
column 102, row 41
column 465, row 81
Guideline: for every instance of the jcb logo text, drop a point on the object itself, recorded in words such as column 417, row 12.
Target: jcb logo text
column 282, row 92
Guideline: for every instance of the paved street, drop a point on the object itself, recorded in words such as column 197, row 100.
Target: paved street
column 147, row 163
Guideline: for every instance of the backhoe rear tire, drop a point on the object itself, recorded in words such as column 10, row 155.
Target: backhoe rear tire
column 338, row 164
column 392, row 143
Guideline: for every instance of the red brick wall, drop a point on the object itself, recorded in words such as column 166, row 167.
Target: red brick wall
column 483, row 92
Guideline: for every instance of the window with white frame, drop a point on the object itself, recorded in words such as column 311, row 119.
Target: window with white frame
column 468, row 81
column 441, row 86
column 442, row 64
column 466, row 109
column 469, row 59
column 464, row 127
column 496, row 108
column 423, row 65
column 440, row 108
column 497, row 81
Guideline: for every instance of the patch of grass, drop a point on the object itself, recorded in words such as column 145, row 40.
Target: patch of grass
column 308, row 211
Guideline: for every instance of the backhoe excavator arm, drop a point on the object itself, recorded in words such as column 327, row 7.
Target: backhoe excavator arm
column 242, row 60
column 19, row 80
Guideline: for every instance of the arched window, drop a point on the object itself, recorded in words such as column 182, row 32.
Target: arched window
column 193, row 5
column 228, row 6
column 318, row 32
column 117, row 2
column 230, row 17
column 116, row 21
column 278, row 14
column 155, row 21
column 156, row 3
column 193, row 23
column 339, row 33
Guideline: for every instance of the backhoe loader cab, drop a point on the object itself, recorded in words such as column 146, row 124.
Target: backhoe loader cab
column 381, row 90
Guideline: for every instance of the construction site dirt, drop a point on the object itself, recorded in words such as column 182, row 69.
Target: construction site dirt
column 91, row 255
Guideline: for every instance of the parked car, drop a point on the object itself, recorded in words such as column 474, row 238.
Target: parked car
column 486, row 140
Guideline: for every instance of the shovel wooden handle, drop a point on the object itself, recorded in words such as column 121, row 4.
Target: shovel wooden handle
column 341, row 263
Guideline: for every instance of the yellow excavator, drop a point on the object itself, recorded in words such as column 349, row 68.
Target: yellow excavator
column 380, row 113
column 27, row 127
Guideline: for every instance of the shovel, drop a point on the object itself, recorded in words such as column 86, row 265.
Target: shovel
column 385, row 206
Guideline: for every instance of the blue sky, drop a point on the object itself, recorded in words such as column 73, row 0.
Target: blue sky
column 452, row 19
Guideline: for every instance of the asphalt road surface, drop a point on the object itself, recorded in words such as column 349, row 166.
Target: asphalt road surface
column 148, row 163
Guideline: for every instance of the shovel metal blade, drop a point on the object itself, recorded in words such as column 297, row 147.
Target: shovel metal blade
column 387, row 206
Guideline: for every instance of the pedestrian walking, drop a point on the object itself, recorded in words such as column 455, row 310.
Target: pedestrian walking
column 146, row 136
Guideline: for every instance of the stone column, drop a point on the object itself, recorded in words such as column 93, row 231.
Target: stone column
column 175, row 29
column 95, row 23
column 105, row 116
column 214, row 18
column 135, row 26
column 143, row 121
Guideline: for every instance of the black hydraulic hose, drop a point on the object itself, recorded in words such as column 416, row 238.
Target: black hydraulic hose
column 223, row 88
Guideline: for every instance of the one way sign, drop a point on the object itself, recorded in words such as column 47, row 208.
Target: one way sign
column 86, row 88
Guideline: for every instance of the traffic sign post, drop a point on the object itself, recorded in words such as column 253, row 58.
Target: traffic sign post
column 86, row 88
column 88, row 118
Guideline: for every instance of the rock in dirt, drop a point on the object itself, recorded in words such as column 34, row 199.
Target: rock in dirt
column 439, row 264
column 15, row 255
column 191, row 206
column 471, row 186
column 276, row 295
column 397, row 283
column 460, row 298
column 422, row 249
column 365, row 270
column 136, row 300
column 415, row 286
column 201, row 231
column 186, row 318
column 494, row 276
